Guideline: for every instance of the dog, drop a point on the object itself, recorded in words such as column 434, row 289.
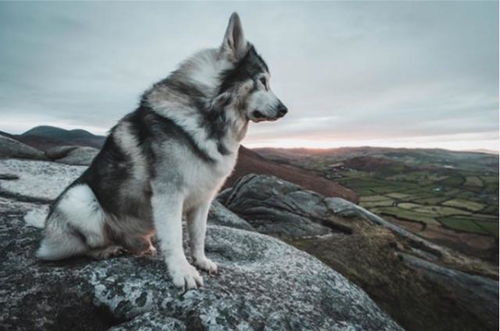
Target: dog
column 166, row 160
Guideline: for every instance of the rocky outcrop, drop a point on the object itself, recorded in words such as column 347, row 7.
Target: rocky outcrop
column 396, row 267
column 277, row 207
column 262, row 282
column 11, row 148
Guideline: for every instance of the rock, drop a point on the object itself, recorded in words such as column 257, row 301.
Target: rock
column 275, row 206
column 220, row 215
column 75, row 155
column 58, row 152
column 11, row 148
column 39, row 181
column 262, row 283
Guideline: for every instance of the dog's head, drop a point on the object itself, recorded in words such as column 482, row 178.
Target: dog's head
column 248, row 79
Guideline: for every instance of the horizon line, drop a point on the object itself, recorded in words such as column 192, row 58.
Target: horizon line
column 277, row 145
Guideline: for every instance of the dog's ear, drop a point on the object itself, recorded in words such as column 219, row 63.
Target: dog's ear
column 234, row 45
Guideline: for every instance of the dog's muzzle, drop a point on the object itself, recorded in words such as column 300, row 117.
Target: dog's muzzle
column 280, row 111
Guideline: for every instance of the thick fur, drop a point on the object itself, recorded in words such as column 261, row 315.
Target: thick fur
column 166, row 160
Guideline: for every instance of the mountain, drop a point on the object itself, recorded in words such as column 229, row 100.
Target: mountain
column 57, row 133
column 44, row 137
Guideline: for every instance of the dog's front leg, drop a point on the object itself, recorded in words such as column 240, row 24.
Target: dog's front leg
column 167, row 214
column 197, row 226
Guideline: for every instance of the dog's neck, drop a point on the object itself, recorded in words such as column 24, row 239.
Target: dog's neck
column 236, row 129
column 218, row 132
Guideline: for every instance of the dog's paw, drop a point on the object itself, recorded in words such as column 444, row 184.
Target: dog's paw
column 206, row 264
column 151, row 251
column 185, row 276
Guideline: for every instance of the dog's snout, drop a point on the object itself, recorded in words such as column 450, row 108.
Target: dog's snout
column 282, row 110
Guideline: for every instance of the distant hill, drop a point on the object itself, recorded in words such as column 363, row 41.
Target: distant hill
column 44, row 137
column 487, row 151
column 409, row 156
column 57, row 133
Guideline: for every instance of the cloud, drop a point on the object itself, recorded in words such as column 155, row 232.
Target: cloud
column 348, row 71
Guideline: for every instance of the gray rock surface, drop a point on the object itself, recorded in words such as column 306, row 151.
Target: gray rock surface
column 220, row 215
column 262, row 283
column 11, row 148
column 37, row 180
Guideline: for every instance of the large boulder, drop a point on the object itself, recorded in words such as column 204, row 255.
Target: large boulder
column 11, row 148
column 280, row 208
column 262, row 282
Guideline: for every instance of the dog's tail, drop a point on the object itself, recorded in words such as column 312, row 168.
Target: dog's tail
column 60, row 247
column 74, row 226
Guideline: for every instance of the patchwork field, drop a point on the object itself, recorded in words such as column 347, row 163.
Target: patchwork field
column 447, row 200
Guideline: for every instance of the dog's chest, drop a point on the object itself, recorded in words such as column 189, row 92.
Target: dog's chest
column 205, row 180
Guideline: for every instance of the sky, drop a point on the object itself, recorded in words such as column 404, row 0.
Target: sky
column 397, row 74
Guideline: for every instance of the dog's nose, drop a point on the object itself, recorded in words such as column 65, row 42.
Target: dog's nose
column 282, row 110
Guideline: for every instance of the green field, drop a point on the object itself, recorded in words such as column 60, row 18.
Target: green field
column 458, row 200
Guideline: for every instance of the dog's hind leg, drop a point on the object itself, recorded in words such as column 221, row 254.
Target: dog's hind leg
column 105, row 252
column 139, row 245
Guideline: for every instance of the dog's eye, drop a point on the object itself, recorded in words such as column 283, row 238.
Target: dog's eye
column 263, row 81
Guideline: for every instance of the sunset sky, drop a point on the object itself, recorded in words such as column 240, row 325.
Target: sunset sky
column 411, row 74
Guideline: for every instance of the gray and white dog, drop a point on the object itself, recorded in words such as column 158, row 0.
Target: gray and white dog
column 166, row 160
